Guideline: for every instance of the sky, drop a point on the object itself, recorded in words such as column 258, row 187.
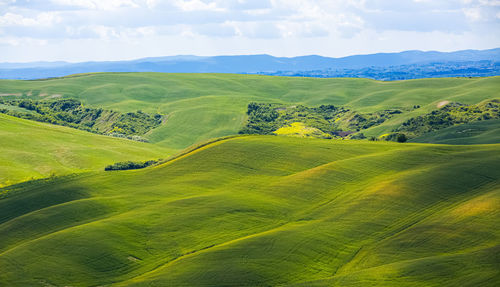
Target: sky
column 108, row 30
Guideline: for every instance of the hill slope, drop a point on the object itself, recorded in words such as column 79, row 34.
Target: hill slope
column 204, row 106
column 482, row 132
column 36, row 150
column 265, row 210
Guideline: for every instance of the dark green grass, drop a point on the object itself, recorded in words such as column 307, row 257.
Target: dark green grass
column 481, row 132
column 264, row 211
column 203, row 106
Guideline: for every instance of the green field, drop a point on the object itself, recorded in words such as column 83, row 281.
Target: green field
column 249, row 210
column 265, row 211
column 31, row 150
column 203, row 106
column 482, row 132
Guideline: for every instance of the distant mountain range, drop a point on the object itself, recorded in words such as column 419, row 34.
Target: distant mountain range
column 383, row 66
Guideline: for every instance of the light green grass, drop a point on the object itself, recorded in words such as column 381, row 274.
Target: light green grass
column 31, row 150
column 203, row 106
column 15, row 108
column 265, row 211
column 480, row 132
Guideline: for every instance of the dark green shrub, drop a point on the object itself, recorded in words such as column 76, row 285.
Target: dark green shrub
column 396, row 137
column 126, row 165
column 358, row 136
column 264, row 118
column 449, row 115
column 401, row 138
column 71, row 113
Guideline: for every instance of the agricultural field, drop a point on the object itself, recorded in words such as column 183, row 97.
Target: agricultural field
column 264, row 211
column 249, row 180
column 32, row 150
column 482, row 132
column 203, row 106
column 239, row 143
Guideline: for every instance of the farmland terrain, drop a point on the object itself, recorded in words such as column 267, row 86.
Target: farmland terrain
column 261, row 211
column 249, row 180
column 203, row 106
column 32, row 150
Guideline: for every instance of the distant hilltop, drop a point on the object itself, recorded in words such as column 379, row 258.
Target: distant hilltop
column 381, row 66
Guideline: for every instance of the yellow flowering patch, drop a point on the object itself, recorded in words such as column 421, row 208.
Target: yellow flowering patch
column 383, row 136
column 299, row 129
column 116, row 130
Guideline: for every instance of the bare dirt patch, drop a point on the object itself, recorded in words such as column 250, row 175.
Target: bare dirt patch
column 53, row 96
column 442, row 104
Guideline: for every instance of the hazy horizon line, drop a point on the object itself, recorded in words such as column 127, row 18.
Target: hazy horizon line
column 238, row 55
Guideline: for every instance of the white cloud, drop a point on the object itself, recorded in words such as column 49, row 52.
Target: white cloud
column 472, row 14
column 22, row 41
column 197, row 5
column 99, row 4
column 42, row 19
column 108, row 33
column 241, row 26
column 490, row 2
column 152, row 3
column 258, row 12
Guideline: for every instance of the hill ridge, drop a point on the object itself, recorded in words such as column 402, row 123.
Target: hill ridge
column 256, row 64
column 220, row 101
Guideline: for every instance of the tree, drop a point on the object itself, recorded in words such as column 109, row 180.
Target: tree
column 401, row 138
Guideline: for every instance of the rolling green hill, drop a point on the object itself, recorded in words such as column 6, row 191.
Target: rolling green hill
column 264, row 211
column 203, row 106
column 249, row 210
column 482, row 132
column 31, row 150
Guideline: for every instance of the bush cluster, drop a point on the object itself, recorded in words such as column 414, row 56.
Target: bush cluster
column 449, row 115
column 264, row 118
column 72, row 113
column 396, row 137
column 130, row 165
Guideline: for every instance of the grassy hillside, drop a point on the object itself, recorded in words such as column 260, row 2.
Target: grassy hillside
column 203, row 106
column 71, row 113
column 483, row 132
column 35, row 150
column 261, row 211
